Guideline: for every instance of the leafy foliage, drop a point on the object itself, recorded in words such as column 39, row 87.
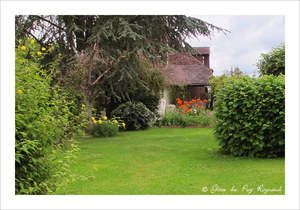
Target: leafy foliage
column 43, row 124
column 135, row 114
column 250, row 116
column 272, row 63
column 216, row 83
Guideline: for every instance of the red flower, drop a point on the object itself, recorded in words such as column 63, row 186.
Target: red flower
column 186, row 102
column 205, row 100
column 201, row 102
column 181, row 107
column 183, row 112
column 179, row 101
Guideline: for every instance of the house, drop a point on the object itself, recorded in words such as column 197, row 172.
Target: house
column 191, row 71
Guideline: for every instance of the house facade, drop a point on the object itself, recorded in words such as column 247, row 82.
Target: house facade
column 191, row 71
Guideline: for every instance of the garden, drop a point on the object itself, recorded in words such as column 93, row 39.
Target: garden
column 86, row 119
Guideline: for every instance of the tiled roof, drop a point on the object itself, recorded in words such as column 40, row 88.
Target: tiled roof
column 202, row 50
column 185, row 69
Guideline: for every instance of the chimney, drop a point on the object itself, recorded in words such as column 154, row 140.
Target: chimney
column 203, row 55
column 206, row 60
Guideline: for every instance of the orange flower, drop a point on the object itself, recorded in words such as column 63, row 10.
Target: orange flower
column 179, row 101
column 183, row 112
column 205, row 100
column 186, row 102
column 198, row 99
column 201, row 102
column 181, row 107
column 201, row 107
column 193, row 100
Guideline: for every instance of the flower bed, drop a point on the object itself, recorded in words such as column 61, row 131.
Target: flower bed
column 188, row 113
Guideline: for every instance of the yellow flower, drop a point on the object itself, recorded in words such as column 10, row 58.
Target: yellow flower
column 23, row 48
column 116, row 122
column 38, row 53
column 32, row 41
column 93, row 118
column 83, row 105
column 20, row 91
column 123, row 124
column 49, row 44
column 99, row 121
column 43, row 48
column 94, row 121
column 104, row 118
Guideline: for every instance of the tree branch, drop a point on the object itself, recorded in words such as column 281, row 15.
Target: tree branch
column 48, row 21
column 107, row 70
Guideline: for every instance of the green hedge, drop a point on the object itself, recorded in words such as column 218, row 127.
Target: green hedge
column 251, row 117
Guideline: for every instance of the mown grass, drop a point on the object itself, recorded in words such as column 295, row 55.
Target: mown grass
column 163, row 161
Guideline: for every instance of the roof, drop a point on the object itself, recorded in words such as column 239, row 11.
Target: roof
column 202, row 50
column 185, row 69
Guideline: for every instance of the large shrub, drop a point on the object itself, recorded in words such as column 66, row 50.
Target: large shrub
column 251, row 117
column 136, row 115
column 43, row 124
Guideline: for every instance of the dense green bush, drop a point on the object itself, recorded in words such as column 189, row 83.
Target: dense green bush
column 136, row 115
column 251, row 117
column 43, row 124
column 104, row 129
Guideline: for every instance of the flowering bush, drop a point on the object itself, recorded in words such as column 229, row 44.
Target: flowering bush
column 104, row 127
column 44, row 124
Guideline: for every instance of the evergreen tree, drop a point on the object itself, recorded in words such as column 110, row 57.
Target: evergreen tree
column 109, row 48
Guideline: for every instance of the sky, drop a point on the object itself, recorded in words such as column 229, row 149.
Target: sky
column 250, row 35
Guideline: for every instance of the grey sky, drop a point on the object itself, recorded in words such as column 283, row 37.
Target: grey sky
column 250, row 36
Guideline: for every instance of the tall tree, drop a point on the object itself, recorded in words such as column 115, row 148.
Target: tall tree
column 272, row 62
column 111, row 46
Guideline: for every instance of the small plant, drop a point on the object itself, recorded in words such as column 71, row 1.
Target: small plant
column 104, row 127
column 136, row 115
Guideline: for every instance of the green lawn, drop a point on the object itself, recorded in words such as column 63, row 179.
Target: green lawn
column 163, row 161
